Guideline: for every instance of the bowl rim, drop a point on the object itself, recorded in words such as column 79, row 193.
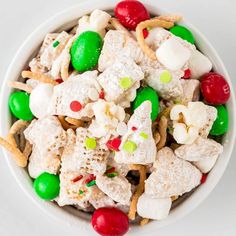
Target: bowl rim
column 68, row 15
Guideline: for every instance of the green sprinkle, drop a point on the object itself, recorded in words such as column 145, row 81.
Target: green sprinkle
column 149, row 28
column 90, row 184
column 125, row 83
column 112, row 175
column 90, row 143
column 143, row 135
column 55, row 44
column 81, row 191
column 165, row 77
column 130, row 146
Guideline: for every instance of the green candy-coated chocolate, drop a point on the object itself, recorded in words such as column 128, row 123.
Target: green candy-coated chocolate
column 145, row 94
column 221, row 123
column 85, row 51
column 47, row 186
column 19, row 105
column 183, row 33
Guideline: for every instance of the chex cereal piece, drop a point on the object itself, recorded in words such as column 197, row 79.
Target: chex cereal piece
column 200, row 152
column 54, row 49
column 172, row 176
column 100, row 199
column 211, row 117
column 167, row 83
column 35, row 64
column 48, row 139
column 191, row 90
column 71, row 97
column 108, row 116
column 117, row 188
column 121, row 80
column 138, row 145
column 84, row 153
column 73, row 190
column 118, row 44
column 97, row 21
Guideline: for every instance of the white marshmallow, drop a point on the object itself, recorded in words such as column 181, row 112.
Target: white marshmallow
column 199, row 64
column 40, row 98
column 206, row 165
column 172, row 54
column 153, row 208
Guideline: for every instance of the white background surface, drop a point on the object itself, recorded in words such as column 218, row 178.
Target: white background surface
column 217, row 215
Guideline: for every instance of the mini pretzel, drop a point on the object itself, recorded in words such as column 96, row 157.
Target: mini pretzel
column 18, row 156
column 118, row 26
column 20, row 86
column 170, row 18
column 14, row 129
column 157, row 137
column 75, row 122
column 173, row 198
column 139, row 34
column 163, row 132
column 38, row 76
column 139, row 191
column 144, row 221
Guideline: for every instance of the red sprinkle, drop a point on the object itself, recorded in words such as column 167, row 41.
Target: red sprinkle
column 75, row 106
column 187, row 74
column 89, row 179
column 134, row 128
column 204, row 178
column 102, row 95
column 145, row 33
column 110, row 170
column 114, row 144
column 59, row 80
column 76, row 179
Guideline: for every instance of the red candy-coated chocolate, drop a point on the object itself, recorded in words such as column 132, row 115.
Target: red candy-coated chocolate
column 187, row 74
column 75, row 106
column 114, row 144
column 204, row 178
column 110, row 221
column 130, row 13
column 145, row 33
column 215, row 89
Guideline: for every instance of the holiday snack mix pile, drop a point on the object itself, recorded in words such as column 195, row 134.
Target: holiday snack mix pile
column 119, row 116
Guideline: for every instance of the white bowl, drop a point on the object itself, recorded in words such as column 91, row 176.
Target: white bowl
column 68, row 215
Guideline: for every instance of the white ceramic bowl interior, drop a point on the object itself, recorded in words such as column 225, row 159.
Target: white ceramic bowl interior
column 67, row 215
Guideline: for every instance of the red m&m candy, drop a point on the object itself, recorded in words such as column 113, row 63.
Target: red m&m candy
column 130, row 13
column 215, row 88
column 110, row 221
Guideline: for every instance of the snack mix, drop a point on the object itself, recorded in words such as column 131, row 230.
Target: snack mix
column 119, row 116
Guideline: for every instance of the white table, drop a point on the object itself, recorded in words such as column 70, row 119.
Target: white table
column 217, row 215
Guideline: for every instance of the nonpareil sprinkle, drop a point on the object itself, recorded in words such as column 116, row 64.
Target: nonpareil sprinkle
column 92, row 183
column 55, row 44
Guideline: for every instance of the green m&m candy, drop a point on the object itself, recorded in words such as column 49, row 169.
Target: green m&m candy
column 183, row 33
column 85, row 51
column 221, row 123
column 19, row 105
column 151, row 95
column 47, row 186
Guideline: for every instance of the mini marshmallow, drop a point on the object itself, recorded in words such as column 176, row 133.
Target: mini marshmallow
column 172, row 54
column 40, row 99
column 199, row 64
column 153, row 208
